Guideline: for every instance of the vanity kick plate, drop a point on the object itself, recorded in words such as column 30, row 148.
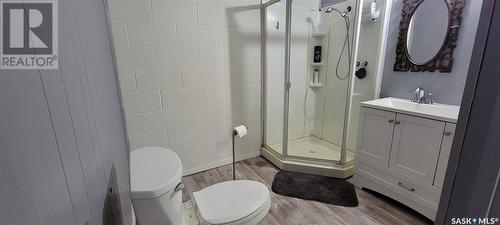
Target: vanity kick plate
column 424, row 198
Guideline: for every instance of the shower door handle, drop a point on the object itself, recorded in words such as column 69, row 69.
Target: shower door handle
column 391, row 121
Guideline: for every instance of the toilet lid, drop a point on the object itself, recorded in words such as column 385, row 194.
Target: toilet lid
column 153, row 172
column 231, row 200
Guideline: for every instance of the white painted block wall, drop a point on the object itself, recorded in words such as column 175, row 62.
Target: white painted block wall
column 189, row 71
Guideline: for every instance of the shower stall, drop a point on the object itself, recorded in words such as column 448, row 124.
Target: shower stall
column 308, row 58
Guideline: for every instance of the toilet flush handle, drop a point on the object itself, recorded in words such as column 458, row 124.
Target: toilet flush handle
column 179, row 187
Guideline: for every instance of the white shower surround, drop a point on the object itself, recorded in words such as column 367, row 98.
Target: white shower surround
column 307, row 115
column 323, row 117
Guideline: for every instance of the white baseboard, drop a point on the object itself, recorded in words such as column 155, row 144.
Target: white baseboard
column 134, row 219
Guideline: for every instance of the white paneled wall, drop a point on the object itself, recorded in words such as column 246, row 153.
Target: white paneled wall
column 189, row 71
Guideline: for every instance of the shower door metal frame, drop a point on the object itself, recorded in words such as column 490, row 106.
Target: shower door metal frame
column 287, row 83
column 350, row 88
column 263, row 58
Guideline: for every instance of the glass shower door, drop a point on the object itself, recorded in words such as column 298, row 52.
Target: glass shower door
column 306, row 100
column 321, row 64
column 274, row 78
column 310, row 33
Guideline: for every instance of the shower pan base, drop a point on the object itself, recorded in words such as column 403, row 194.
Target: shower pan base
column 309, row 166
column 312, row 147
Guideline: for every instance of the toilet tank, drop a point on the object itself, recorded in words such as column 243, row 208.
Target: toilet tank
column 156, row 186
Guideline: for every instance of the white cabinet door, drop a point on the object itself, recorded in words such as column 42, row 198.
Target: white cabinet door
column 375, row 135
column 415, row 147
column 444, row 154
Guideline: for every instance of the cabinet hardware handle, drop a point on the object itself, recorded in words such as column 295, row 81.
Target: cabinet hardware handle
column 447, row 133
column 397, row 122
column 407, row 188
column 391, row 121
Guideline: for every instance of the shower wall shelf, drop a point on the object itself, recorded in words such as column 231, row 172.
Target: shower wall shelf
column 315, row 84
column 318, row 64
column 319, row 34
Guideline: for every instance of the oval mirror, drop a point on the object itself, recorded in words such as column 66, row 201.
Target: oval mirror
column 427, row 30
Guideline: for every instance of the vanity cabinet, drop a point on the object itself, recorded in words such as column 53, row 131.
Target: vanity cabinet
column 403, row 156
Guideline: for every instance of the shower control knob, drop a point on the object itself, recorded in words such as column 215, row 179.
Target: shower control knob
column 397, row 122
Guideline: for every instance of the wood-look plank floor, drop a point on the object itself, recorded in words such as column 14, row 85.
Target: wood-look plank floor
column 372, row 209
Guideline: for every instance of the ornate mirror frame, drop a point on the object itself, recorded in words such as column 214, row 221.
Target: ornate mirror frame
column 443, row 60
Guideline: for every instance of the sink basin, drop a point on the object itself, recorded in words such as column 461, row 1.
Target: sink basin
column 448, row 113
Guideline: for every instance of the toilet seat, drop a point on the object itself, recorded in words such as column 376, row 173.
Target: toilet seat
column 233, row 202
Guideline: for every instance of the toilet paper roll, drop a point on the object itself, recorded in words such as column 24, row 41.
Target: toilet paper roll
column 241, row 130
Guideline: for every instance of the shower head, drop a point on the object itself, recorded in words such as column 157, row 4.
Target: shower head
column 343, row 14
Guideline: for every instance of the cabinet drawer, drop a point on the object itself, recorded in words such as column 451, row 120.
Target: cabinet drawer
column 406, row 188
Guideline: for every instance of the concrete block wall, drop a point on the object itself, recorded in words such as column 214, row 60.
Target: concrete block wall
column 189, row 71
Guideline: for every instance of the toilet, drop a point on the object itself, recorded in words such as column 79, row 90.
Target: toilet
column 156, row 192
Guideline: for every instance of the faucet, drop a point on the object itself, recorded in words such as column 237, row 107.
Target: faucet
column 419, row 96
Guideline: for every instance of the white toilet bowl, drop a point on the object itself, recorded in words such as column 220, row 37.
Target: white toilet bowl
column 156, row 191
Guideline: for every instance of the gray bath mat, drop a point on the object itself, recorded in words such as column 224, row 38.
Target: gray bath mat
column 318, row 188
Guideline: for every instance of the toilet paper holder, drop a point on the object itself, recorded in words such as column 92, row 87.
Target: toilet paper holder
column 235, row 133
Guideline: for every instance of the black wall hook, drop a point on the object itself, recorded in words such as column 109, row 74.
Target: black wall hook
column 365, row 64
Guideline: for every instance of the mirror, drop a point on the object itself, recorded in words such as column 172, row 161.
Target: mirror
column 428, row 35
column 427, row 30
